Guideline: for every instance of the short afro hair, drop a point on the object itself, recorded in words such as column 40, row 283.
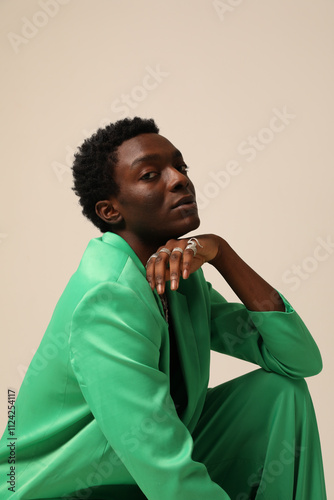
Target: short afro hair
column 95, row 160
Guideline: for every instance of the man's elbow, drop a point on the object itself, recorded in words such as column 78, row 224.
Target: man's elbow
column 314, row 366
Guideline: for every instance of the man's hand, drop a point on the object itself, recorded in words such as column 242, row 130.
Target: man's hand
column 174, row 259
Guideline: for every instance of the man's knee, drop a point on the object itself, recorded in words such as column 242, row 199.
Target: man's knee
column 273, row 383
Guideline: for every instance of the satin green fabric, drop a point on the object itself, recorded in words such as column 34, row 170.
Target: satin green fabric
column 258, row 438
column 95, row 418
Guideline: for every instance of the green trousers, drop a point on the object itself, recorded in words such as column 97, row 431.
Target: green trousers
column 259, row 439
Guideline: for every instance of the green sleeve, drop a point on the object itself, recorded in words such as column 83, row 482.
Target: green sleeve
column 115, row 352
column 276, row 341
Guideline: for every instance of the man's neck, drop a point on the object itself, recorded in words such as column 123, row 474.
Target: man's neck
column 141, row 248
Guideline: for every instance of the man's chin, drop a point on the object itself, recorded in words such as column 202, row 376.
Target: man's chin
column 198, row 223
column 191, row 226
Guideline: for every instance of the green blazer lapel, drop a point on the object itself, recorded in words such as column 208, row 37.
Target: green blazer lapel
column 187, row 345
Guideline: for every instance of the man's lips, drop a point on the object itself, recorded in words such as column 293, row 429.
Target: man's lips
column 185, row 201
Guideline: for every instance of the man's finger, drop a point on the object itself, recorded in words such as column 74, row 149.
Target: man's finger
column 160, row 268
column 186, row 263
column 150, row 275
column 175, row 261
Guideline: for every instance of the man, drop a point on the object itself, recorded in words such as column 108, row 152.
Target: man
column 124, row 409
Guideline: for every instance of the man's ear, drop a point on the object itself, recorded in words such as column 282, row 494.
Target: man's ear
column 107, row 212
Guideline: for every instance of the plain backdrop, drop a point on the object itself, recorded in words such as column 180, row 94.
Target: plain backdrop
column 243, row 88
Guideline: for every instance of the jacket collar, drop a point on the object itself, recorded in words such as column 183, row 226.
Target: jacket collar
column 117, row 241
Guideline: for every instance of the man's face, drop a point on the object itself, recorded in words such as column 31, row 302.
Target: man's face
column 156, row 197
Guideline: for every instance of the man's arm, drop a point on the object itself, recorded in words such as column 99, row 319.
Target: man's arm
column 277, row 341
column 252, row 290
column 263, row 330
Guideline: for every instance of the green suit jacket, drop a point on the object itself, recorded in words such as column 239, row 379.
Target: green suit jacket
column 94, row 415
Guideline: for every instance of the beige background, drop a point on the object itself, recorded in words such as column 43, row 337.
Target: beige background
column 221, row 75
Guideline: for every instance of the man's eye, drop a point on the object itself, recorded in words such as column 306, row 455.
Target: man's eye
column 149, row 175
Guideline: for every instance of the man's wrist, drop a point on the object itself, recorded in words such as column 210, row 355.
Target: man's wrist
column 218, row 259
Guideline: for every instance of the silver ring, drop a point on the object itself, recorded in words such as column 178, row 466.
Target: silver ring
column 192, row 240
column 192, row 246
column 177, row 249
column 165, row 250
column 155, row 255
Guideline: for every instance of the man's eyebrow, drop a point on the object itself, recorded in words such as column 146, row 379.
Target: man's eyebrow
column 156, row 156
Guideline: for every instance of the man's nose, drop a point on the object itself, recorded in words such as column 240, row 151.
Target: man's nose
column 177, row 179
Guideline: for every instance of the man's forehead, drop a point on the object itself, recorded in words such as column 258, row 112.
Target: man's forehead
column 143, row 145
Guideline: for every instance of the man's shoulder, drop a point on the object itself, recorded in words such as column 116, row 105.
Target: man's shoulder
column 101, row 262
column 108, row 259
column 101, row 265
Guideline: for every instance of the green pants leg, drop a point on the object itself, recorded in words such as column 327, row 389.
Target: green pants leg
column 259, row 439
